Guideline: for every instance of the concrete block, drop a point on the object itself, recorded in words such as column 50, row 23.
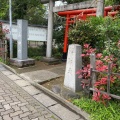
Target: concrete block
column 63, row 113
column 74, row 63
column 45, row 100
column 22, row 63
column 31, row 90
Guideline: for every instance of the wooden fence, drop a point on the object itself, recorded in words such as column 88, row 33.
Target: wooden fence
column 93, row 73
column 3, row 50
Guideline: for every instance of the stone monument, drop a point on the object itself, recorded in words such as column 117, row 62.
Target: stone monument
column 22, row 59
column 74, row 63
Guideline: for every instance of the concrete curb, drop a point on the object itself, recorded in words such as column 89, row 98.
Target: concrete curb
column 60, row 99
column 63, row 101
column 9, row 68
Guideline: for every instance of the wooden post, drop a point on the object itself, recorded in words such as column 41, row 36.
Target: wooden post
column 93, row 66
column 109, row 76
column 5, row 51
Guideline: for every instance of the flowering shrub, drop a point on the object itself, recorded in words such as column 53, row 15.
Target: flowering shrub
column 101, row 66
column 3, row 38
column 3, row 32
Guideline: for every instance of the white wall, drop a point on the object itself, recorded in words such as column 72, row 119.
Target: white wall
column 34, row 33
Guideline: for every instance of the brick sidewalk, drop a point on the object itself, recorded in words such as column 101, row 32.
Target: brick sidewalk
column 19, row 100
column 16, row 104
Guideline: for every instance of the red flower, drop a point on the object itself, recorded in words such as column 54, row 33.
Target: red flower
column 101, row 68
column 102, row 81
column 86, row 45
column 106, row 97
column 80, row 76
column 97, row 83
column 96, row 96
column 99, row 62
column 112, row 79
column 83, row 55
column 118, row 44
column 79, row 71
column 99, row 55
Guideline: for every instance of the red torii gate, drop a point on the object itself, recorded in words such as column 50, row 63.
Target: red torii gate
column 83, row 15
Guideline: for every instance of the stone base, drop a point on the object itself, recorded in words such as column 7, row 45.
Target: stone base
column 22, row 63
column 50, row 61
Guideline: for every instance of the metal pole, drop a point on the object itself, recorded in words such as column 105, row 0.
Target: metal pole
column 10, row 19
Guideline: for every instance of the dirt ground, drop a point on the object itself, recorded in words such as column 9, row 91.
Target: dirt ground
column 38, row 66
column 51, row 83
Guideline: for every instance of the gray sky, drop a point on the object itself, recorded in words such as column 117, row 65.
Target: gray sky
column 58, row 3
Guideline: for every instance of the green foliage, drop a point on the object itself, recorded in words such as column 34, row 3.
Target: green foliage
column 58, row 36
column 95, row 31
column 97, row 110
column 1, row 60
column 37, row 51
column 32, row 10
column 58, row 31
column 58, row 52
column 2, row 33
column 37, row 58
column 107, row 2
column 4, row 6
column 74, row 1
column 87, row 32
column 14, row 50
column 111, row 2
column 112, row 43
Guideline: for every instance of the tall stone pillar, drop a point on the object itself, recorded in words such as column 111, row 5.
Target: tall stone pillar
column 22, row 59
column 22, row 39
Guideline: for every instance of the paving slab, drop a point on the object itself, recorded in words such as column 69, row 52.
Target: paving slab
column 39, row 75
column 7, row 72
column 63, row 112
column 45, row 100
column 58, row 70
column 14, row 77
column 31, row 90
column 22, row 83
column 2, row 68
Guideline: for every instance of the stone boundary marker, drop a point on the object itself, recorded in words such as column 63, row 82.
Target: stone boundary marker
column 62, row 112
column 74, row 63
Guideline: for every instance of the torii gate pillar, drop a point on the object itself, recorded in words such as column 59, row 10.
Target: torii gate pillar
column 50, row 29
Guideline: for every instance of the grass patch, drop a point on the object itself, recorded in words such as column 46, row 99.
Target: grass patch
column 97, row 110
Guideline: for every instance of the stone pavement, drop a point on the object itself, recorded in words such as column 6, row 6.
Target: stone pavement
column 19, row 100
